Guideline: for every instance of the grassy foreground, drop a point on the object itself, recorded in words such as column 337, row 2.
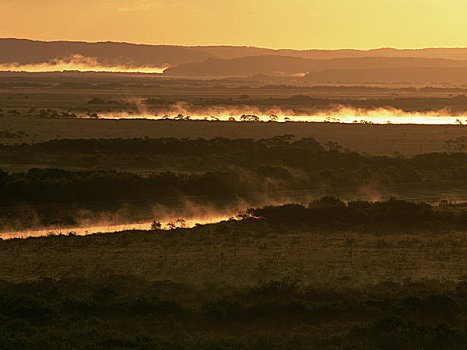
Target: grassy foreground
column 254, row 284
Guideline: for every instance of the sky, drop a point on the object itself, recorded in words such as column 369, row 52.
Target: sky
column 297, row 24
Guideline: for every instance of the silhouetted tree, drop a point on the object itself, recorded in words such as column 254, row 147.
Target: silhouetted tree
column 156, row 225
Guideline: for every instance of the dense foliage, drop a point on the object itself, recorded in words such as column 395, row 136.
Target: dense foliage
column 277, row 158
column 118, row 312
column 43, row 197
column 329, row 212
column 218, row 172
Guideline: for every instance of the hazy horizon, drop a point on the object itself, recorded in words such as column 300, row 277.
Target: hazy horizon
column 375, row 48
column 297, row 24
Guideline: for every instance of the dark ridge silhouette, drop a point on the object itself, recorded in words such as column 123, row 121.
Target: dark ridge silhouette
column 391, row 75
column 24, row 51
column 29, row 52
column 245, row 66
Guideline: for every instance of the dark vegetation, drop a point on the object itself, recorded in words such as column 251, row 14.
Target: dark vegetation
column 331, row 213
column 217, row 172
column 310, row 104
column 123, row 312
column 298, row 104
column 275, row 158
column 85, row 303
column 303, row 104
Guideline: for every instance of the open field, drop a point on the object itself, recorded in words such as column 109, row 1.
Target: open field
column 372, row 139
column 217, row 254
column 216, row 287
column 357, row 243
column 37, row 107
column 323, row 274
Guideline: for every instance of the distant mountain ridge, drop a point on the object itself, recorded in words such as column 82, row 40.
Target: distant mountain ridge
column 405, row 75
column 437, row 65
column 229, row 52
column 24, row 51
column 286, row 65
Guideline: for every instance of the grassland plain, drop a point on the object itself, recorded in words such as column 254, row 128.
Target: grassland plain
column 83, row 93
column 220, row 254
column 245, row 284
column 371, row 139
column 236, row 284
column 222, row 287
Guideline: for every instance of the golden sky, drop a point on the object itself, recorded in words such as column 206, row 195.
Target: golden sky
column 296, row 24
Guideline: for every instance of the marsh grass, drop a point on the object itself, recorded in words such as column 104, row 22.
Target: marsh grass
column 235, row 285
column 211, row 253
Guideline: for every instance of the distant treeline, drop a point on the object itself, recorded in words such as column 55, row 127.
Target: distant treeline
column 309, row 104
column 280, row 158
column 332, row 213
column 219, row 172
column 299, row 104
column 304, row 104
column 42, row 197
